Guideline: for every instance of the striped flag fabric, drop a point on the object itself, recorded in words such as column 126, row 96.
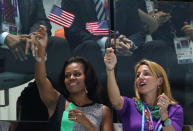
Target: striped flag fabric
column 61, row 17
column 98, row 28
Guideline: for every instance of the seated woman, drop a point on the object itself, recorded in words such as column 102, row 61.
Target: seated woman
column 153, row 108
column 77, row 106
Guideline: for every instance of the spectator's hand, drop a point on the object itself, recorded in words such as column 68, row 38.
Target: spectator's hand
column 16, row 44
column 162, row 17
column 30, row 44
column 78, row 116
column 163, row 102
column 150, row 23
column 188, row 30
column 41, row 37
column 122, row 46
column 110, row 59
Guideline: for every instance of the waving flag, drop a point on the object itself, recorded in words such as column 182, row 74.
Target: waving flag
column 61, row 17
column 98, row 28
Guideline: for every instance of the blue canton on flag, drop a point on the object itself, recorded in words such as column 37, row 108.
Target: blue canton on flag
column 61, row 17
column 98, row 28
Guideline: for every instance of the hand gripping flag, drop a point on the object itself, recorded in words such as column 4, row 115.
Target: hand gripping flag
column 98, row 28
column 61, row 17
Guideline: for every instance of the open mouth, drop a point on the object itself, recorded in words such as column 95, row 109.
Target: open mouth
column 142, row 84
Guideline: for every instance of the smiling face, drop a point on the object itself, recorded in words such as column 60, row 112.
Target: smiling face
column 75, row 78
column 146, row 83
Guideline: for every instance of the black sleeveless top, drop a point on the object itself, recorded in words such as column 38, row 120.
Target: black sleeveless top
column 54, row 122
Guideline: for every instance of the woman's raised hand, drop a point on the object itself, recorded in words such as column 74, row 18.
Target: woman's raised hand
column 41, row 37
column 110, row 59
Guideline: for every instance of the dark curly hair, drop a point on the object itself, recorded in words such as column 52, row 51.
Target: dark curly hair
column 91, row 81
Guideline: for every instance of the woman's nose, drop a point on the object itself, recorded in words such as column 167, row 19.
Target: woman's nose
column 141, row 76
column 72, row 76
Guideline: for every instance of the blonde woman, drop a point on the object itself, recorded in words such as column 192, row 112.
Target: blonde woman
column 153, row 108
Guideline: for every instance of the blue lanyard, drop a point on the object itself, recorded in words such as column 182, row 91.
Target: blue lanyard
column 160, row 126
column 143, row 118
column 143, row 121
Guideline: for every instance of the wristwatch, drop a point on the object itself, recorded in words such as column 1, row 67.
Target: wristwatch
column 167, row 122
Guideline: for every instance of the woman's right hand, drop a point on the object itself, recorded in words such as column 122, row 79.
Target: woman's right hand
column 110, row 59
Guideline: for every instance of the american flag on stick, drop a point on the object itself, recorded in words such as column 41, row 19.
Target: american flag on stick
column 98, row 28
column 61, row 17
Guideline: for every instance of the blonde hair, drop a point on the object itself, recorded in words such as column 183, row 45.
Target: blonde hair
column 157, row 72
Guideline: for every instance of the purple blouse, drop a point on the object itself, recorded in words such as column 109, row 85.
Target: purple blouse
column 132, row 119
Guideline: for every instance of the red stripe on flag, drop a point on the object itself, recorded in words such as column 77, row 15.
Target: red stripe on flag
column 54, row 17
column 61, row 23
column 61, row 17
column 93, row 28
column 66, row 16
column 58, row 21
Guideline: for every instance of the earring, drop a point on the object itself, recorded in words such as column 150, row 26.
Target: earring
column 86, row 91
column 158, row 87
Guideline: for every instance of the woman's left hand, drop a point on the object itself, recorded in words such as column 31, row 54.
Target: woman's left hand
column 78, row 116
column 163, row 102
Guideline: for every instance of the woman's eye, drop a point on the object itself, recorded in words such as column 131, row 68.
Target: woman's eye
column 67, row 75
column 147, row 74
column 137, row 76
column 77, row 74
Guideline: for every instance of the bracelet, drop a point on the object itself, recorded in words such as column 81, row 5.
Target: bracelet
column 109, row 69
column 167, row 122
column 39, row 59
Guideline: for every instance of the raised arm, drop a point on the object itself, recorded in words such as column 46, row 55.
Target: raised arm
column 113, row 90
column 47, row 93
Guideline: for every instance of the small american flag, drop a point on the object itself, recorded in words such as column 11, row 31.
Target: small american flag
column 61, row 17
column 98, row 28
